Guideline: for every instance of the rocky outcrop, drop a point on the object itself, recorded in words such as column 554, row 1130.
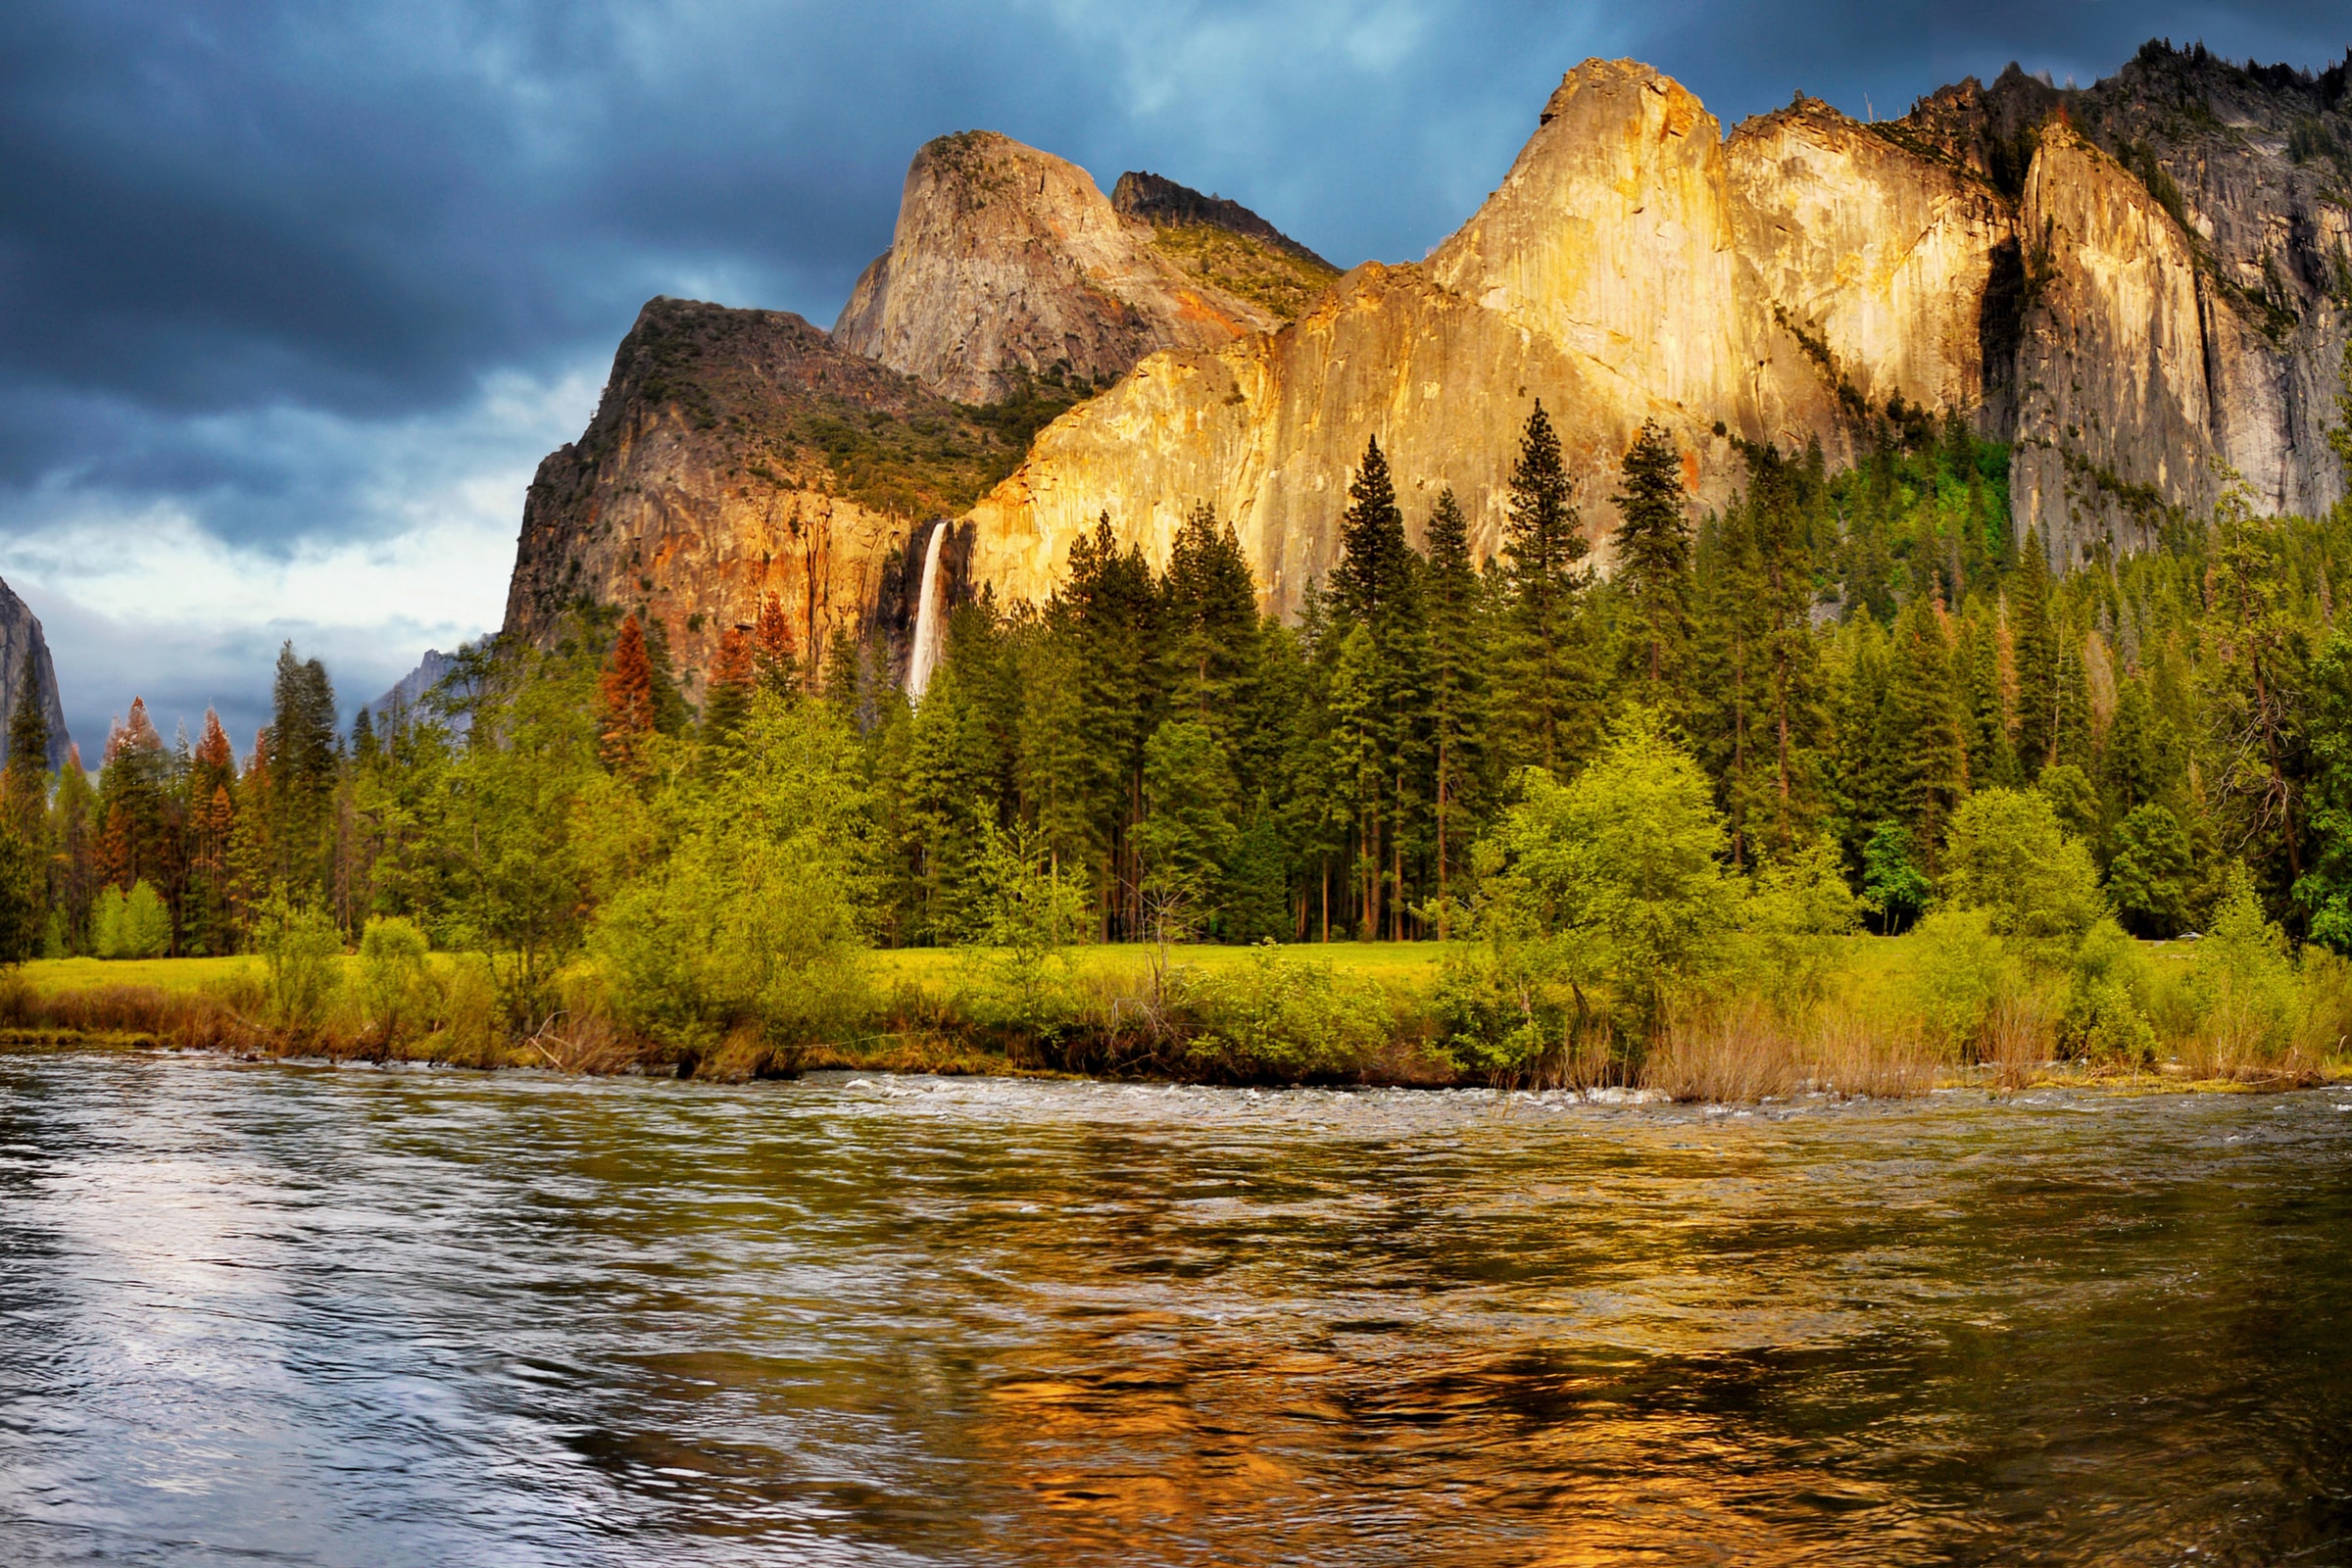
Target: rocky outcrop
column 1633, row 265
column 20, row 639
column 1008, row 264
column 737, row 453
column 1785, row 284
column 2132, row 282
column 2186, row 285
column 1225, row 244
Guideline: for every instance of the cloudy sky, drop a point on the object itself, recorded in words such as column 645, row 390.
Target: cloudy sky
column 294, row 296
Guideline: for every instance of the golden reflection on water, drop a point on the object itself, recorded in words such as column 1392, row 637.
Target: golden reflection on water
column 972, row 1322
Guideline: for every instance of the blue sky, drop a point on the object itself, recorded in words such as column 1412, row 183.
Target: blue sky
column 294, row 297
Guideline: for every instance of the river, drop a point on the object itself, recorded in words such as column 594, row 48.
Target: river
column 301, row 1314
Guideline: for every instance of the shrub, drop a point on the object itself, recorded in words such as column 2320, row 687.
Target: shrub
column 1273, row 1015
column 302, row 956
column 2007, row 856
column 396, row 991
column 1797, row 911
column 1960, row 973
column 2106, row 1015
column 2250, row 1002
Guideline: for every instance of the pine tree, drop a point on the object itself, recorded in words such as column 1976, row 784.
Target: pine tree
column 626, row 695
column 1210, row 630
column 1457, row 661
column 73, row 832
column 1921, row 728
column 1549, row 690
column 1653, row 570
column 2035, row 645
column 771, row 651
column 734, row 675
column 303, row 747
column 1976, row 660
column 25, row 784
column 1375, row 571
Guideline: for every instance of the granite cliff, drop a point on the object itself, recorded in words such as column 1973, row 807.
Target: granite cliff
column 1634, row 265
column 20, row 639
column 1008, row 264
column 2133, row 283
column 737, row 453
column 2130, row 282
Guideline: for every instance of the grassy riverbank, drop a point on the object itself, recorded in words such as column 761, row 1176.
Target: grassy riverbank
column 1881, row 1022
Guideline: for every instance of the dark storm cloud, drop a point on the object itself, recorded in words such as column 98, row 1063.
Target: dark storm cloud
column 251, row 253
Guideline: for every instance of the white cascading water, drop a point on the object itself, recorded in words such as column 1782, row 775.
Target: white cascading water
column 926, row 657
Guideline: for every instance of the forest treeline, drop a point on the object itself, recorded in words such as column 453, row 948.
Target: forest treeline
column 1827, row 672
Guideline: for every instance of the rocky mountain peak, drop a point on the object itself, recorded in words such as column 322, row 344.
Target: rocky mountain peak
column 1007, row 265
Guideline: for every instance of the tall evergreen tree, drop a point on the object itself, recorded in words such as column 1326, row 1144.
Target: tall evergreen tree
column 1922, row 728
column 25, row 783
column 625, row 695
column 1455, row 613
column 1653, row 569
column 2035, row 645
column 1550, row 689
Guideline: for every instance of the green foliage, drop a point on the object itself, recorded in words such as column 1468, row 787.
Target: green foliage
column 2149, row 877
column 2008, row 857
column 302, row 955
column 1550, row 689
column 1653, row 565
column 1892, row 883
column 394, row 987
column 1960, row 971
column 1187, row 833
column 106, row 923
column 1030, row 915
column 2106, row 1014
column 1797, row 911
column 2243, row 976
column 145, row 931
column 1610, row 887
column 23, row 888
column 1275, row 1016
column 748, row 911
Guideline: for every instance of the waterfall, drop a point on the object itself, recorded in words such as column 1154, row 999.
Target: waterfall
column 925, row 654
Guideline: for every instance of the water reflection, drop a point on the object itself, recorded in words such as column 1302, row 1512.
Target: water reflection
column 362, row 1317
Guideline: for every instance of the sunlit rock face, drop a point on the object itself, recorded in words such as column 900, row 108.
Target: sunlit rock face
column 1633, row 265
column 2132, row 282
column 738, row 454
column 1009, row 262
column 1880, row 257
column 1982, row 256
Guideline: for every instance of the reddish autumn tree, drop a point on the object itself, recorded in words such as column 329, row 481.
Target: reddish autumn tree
column 732, row 679
column 773, row 651
column 626, row 695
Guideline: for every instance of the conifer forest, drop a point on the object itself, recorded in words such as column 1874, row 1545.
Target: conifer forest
column 1841, row 705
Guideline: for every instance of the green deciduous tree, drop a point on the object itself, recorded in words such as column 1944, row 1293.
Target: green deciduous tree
column 2008, row 856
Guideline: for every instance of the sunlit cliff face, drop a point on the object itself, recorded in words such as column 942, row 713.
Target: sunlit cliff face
column 1634, row 265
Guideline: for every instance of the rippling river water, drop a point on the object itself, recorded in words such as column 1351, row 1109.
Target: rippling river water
column 289, row 1314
